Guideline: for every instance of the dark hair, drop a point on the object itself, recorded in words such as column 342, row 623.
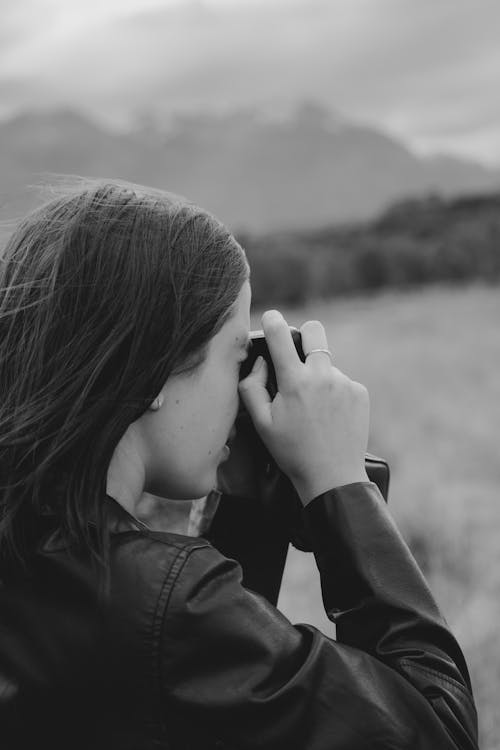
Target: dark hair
column 105, row 291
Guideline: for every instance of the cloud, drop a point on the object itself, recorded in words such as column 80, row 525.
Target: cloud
column 425, row 70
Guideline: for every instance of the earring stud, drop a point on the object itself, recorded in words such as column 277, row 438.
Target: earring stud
column 156, row 404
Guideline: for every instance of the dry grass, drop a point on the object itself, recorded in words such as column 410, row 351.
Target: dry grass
column 431, row 361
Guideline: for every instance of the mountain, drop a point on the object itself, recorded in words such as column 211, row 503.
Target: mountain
column 254, row 173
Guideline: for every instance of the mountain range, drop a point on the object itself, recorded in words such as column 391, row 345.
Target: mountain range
column 255, row 173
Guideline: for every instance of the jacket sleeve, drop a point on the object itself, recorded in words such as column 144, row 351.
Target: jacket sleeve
column 235, row 669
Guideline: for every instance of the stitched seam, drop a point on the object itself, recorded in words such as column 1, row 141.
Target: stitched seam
column 169, row 539
column 183, row 544
column 163, row 597
column 160, row 609
column 444, row 678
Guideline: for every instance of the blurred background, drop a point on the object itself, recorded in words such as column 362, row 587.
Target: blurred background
column 353, row 146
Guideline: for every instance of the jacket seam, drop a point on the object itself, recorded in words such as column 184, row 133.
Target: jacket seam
column 444, row 678
column 184, row 544
column 163, row 600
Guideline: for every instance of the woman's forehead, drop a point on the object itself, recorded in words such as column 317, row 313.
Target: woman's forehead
column 240, row 309
column 241, row 316
column 235, row 331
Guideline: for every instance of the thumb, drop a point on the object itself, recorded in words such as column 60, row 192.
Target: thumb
column 255, row 395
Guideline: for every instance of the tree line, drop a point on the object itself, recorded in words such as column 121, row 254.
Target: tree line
column 414, row 242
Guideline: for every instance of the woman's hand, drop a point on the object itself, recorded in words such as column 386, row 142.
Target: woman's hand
column 317, row 425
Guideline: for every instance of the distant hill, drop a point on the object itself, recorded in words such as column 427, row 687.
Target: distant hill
column 255, row 174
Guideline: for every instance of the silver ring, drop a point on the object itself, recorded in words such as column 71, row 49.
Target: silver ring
column 325, row 351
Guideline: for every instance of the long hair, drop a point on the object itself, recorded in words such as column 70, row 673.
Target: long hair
column 105, row 291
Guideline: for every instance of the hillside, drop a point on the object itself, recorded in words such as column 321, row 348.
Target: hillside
column 255, row 174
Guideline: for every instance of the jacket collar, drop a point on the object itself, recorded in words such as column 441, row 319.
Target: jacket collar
column 118, row 519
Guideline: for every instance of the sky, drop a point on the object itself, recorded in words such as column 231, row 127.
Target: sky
column 426, row 71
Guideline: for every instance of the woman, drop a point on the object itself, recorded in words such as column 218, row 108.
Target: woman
column 124, row 317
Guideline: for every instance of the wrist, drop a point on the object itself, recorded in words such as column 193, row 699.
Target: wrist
column 308, row 489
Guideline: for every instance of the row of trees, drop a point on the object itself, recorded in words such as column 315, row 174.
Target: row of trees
column 414, row 242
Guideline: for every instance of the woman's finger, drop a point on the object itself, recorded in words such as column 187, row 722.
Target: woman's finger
column 279, row 340
column 255, row 395
column 313, row 338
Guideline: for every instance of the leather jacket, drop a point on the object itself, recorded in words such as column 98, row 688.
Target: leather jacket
column 192, row 659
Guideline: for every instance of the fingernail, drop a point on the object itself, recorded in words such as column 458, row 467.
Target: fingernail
column 258, row 363
column 274, row 315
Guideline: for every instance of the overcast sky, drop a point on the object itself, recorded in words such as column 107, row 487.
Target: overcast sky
column 425, row 70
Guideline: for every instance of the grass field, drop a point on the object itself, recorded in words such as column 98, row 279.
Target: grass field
column 431, row 361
